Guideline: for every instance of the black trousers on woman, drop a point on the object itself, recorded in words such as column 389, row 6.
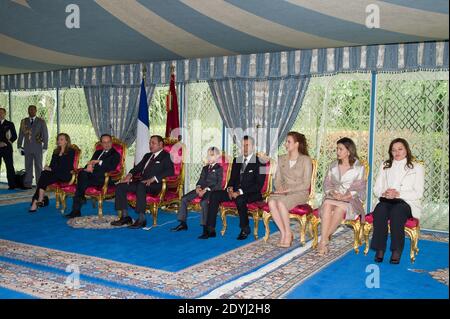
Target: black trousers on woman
column 397, row 212
column 47, row 178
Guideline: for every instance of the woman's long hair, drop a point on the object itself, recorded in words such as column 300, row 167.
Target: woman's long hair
column 58, row 148
column 351, row 147
column 302, row 143
column 409, row 157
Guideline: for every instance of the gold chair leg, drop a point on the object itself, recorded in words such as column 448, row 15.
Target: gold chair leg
column 57, row 205
column 315, row 229
column 302, row 221
column 63, row 202
column 255, row 224
column 367, row 230
column 100, row 207
column 266, row 217
column 412, row 233
column 154, row 211
column 223, row 215
column 355, row 225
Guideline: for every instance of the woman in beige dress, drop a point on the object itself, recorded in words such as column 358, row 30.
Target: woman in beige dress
column 292, row 184
column 345, row 191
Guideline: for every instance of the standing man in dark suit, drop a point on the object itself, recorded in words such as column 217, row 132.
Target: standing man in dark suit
column 145, row 178
column 103, row 161
column 32, row 141
column 245, row 184
column 210, row 180
column 7, row 136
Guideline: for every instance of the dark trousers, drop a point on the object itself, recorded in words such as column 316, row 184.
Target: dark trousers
column 84, row 180
column 241, row 201
column 397, row 214
column 139, row 188
column 47, row 178
column 185, row 200
column 6, row 154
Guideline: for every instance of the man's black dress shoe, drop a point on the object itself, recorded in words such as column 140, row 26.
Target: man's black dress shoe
column 243, row 235
column 73, row 214
column 181, row 226
column 122, row 221
column 207, row 234
column 11, row 188
column 379, row 256
column 138, row 224
column 395, row 258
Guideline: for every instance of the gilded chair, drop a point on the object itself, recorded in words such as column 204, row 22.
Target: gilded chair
column 107, row 190
column 56, row 187
column 172, row 186
column 354, row 224
column 172, row 197
column 229, row 207
column 299, row 213
column 226, row 166
column 412, row 229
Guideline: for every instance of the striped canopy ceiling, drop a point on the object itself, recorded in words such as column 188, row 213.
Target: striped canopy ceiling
column 33, row 35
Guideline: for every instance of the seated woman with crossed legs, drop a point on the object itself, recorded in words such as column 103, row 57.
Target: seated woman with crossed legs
column 292, row 184
column 59, row 170
column 345, row 191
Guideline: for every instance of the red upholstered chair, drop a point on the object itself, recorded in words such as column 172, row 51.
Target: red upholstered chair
column 300, row 213
column 354, row 224
column 412, row 229
column 56, row 187
column 226, row 165
column 174, row 192
column 229, row 207
column 101, row 193
column 172, row 186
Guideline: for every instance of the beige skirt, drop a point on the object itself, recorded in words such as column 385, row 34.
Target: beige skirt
column 349, row 214
column 289, row 200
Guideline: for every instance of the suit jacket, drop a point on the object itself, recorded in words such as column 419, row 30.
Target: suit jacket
column 297, row 179
column 110, row 160
column 161, row 167
column 8, row 133
column 62, row 165
column 212, row 179
column 252, row 179
column 411, row 187
column 34, row 137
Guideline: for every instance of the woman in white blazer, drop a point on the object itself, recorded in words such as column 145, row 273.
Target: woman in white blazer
column 399, row 189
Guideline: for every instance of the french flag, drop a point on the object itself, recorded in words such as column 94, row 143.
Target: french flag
column 143, row 124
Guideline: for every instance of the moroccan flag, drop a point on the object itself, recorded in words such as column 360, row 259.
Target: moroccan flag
column 173, row 122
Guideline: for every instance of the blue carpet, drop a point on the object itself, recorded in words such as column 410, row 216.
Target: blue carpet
column 158, row 248
column 11, row 294
column 6, row 191
column 396, row 281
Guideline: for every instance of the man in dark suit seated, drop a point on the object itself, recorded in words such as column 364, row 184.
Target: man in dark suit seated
column 145, row 178
column 103, row 161
column 210, row 180
column 245, row 184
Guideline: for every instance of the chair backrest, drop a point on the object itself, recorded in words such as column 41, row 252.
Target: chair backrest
column 312, row 187
column 76, row 159
column 267, row 186
column 177, row 152
column 225, row 162
column 121, row 148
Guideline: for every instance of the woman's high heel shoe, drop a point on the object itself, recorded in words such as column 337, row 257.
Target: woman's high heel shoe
column 290, row 242
column 32, row 210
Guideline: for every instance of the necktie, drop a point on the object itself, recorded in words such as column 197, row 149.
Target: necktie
column 148, row 163
column 32, row 121
column 210, row 168
column 244, row 165
column 101, row 155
